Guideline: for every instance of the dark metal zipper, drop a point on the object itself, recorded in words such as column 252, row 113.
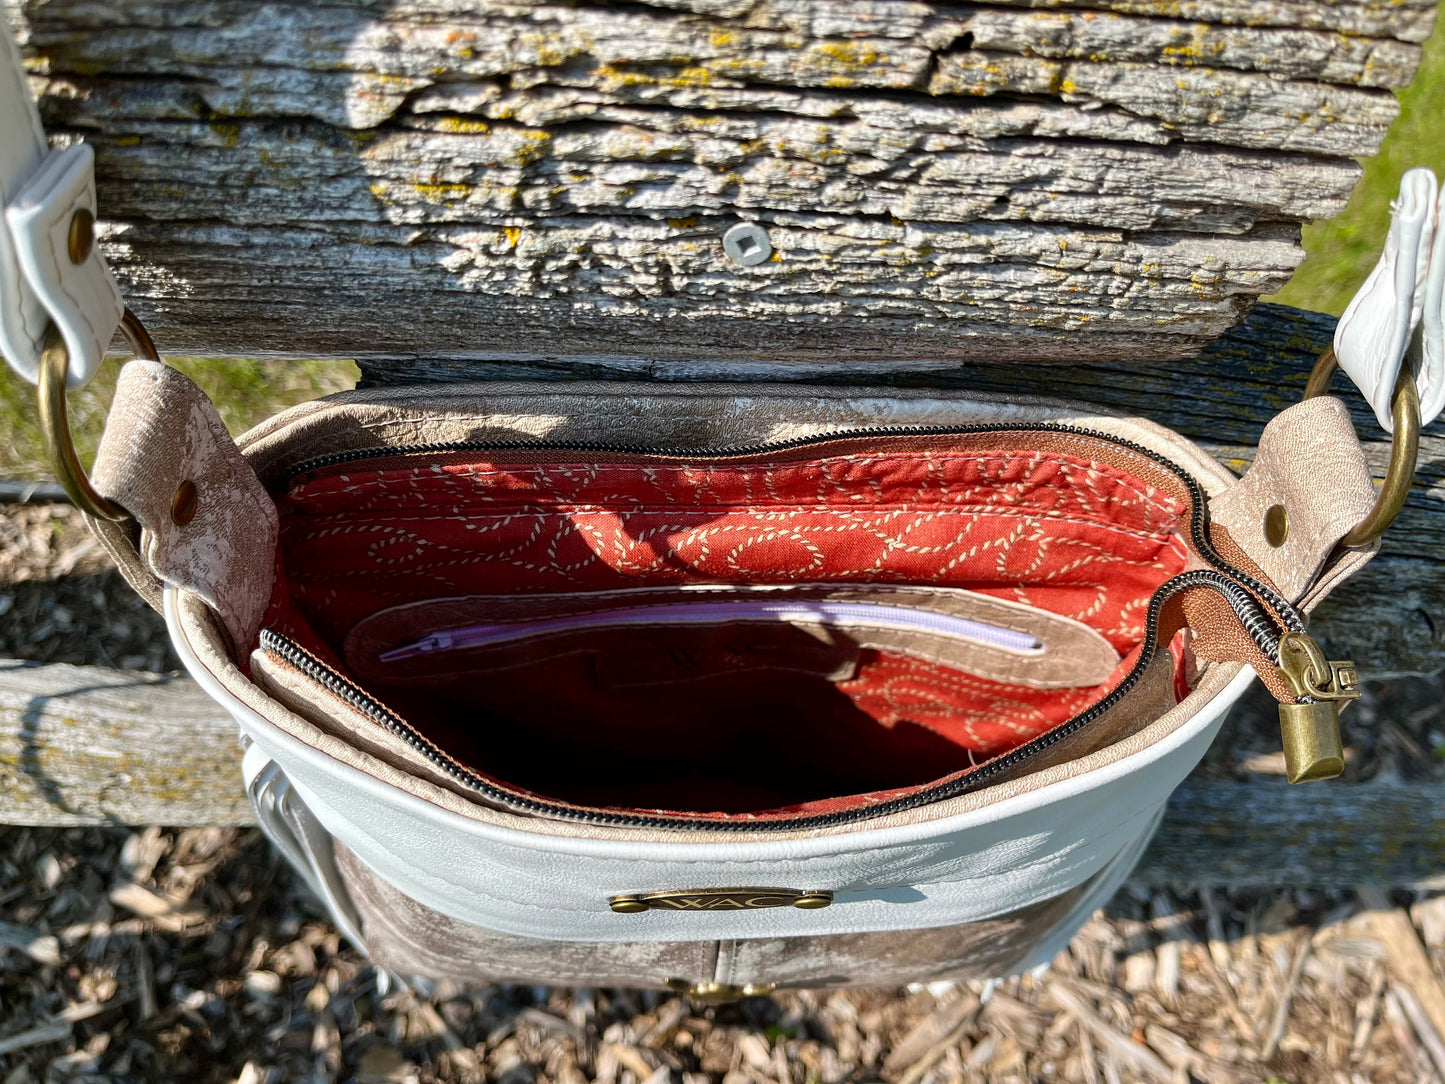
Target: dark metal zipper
column 1264, row 628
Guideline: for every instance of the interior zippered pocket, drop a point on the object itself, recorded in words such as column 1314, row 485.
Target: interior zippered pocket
column 1029, row 755
column 789, row 625
column 824, row 614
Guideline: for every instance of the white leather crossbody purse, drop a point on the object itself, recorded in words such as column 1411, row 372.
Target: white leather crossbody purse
column 722, row 687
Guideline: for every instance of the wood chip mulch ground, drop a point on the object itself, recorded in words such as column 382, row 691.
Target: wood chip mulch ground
column 193, row 955
column 157, row 955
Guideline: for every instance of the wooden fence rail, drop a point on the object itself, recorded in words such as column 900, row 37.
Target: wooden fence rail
column 543, row 181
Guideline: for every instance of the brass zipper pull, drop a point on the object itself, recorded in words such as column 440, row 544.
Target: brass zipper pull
column 1310, row 729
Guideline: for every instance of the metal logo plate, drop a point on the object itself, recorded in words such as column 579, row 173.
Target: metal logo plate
column 720, row 899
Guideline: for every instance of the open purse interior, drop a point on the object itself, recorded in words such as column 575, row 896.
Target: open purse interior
column 812, row 628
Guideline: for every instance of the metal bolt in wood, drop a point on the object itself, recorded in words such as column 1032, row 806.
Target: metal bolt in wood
column 748, row 244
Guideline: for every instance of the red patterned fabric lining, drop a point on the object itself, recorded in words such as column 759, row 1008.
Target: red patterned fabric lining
column 1065, row 534
column 984, row 717
column 1070, row 535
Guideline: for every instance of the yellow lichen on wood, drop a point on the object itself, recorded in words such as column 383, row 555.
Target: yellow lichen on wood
column 463, row 126
column 84, row 746
column 442, row 193
column 1101, row 140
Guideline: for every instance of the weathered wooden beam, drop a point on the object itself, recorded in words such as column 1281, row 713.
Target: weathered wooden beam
column 37, row 492
column 1390, row 619
column 1265, row 832
column 1409, row 20
column 550, row 181
column 86, row 745
column 83, row 745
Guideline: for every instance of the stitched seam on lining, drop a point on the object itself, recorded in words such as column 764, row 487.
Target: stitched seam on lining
column 411, row 476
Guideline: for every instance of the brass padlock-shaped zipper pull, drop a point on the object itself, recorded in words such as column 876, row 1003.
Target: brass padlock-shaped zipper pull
column 1310, row 729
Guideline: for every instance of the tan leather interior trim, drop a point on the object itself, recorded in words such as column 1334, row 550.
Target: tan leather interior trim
column 674, row 415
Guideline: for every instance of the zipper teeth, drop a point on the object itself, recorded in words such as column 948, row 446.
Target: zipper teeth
column 297, row 656
column 1253, row 617
column 1224, row 578
column 347, row 690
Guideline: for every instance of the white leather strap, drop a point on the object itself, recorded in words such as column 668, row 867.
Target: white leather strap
column 291, row 828
column 1427, row 349
column 41, row 190
column 1395, row 318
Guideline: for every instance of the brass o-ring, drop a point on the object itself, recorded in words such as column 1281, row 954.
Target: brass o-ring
column 55, row 424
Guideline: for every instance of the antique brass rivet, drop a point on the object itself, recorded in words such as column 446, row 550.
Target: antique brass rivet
column 82, row 236
column 813, row 900
column 628, row 905
column 183, row 508
column 1276, row 525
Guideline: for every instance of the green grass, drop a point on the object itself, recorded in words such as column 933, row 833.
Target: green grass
column 246, row 392
column 1343, row 250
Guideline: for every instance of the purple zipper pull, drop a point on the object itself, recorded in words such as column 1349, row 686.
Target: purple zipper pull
column 437, row 641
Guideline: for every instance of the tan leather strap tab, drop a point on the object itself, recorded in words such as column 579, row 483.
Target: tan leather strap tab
column 206, row 523
column 1308, row 487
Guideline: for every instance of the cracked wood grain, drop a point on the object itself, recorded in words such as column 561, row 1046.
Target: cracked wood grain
column 86, row 745
column 532, row 181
